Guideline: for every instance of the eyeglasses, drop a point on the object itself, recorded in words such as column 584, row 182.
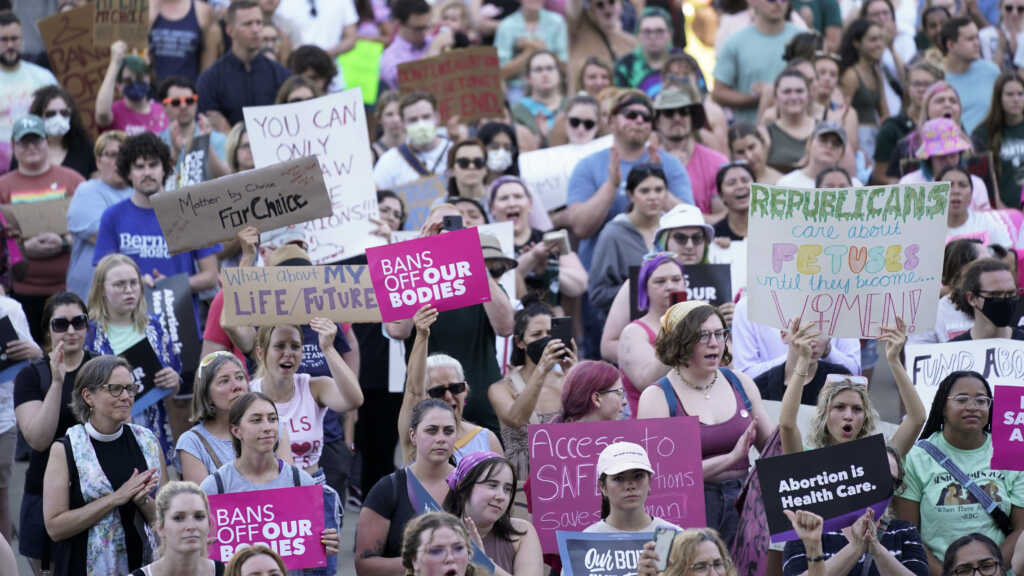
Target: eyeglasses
column 987, row 567
column 1009, row 295
column 652, row 32
column 183, row 101
column 588, row 124
column 116, row 390
column 60, row 325
column 718, row 565
column 683, row 239
column 635, row 114
column 670, row 114
column 312, row 8
column 455, row 388
column 963, row 400
column 618, row 391
column 465, row 163
column 122, row 285
column 1009, row 9
column 721, row 335
column 66, row 112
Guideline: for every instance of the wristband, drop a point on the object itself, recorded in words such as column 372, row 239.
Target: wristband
column 817, row 559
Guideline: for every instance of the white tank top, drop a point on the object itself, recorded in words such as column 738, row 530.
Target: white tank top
column 304, row 420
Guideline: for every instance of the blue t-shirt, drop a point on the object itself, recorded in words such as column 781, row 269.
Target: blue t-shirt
column 591, row 172
column 87, row 205
column 975, row 90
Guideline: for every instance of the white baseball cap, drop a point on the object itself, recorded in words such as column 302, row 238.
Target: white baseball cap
column 681, row 216
column 621, row 456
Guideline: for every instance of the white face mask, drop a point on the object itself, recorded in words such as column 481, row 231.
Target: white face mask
column 57, row 125
column 421, row 133
column 498, row 160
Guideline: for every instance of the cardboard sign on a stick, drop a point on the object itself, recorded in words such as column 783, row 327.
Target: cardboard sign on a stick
column 268, row 198
column 77, row 64
column 466, row 82
column 126, row 20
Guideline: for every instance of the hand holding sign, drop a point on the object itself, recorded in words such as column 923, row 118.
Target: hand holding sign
column 326, row 331
column 424, row 319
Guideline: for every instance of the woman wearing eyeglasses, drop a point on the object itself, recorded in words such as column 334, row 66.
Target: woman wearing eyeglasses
column 118, row 320
column 974, row 554
column 135, row 112
column 97, row 498
column 467, row 165
column 42, row 398
column 694, row 552
column 693, row 343
column 959, row 429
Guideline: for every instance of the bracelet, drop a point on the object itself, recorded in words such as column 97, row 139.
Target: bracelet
column 817, row 559
column 802, row 373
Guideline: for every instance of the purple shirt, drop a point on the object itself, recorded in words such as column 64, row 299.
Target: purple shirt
column 398, row 52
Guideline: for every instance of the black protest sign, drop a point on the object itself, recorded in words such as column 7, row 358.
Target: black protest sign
column 145, row 364
column 837, row 483
column 171, row 301
column 7, row 335
column 711, row 283
column 586, row 553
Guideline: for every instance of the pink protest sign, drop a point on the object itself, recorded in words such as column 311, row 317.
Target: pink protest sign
column 287, row 520
column 446, row 271
column 1008, row 428
column 564, row 494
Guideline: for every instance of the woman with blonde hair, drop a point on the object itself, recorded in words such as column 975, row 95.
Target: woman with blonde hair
column 256, row 560
column 694, row 552
column 183, row 524
column 297, row 89
column 437, row 543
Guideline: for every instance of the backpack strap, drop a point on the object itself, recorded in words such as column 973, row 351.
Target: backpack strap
column 1000, row 518
column 296, row 479
column 734, row 380
column 219, row 481
column 670, row 396
column 413, row 161
column 209, row 450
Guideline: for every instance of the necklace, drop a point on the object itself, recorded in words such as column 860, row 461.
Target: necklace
column 706, row 389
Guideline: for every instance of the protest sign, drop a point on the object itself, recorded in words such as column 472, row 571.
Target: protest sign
column 1008, row 428
column 287, row 520
column 849, row 260
column 7, row 335
column 418, row 197
column 332, row 128
column 145, row 364
column 837, row 483
column 999, row 360
column 77, row 64
column 277, row 295
column 546, row 171
column 126, row 20
column 170, row 300
column 563, row 472
column 34, row 218
column 360, row 67
column 446, row 271
column 586, row 553
column 466, row 82
column 268, row 198
column 711, row 283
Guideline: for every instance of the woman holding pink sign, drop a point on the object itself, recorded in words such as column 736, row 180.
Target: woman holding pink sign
column 183, row 524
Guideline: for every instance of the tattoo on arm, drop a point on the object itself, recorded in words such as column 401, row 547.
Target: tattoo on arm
column 373, row 552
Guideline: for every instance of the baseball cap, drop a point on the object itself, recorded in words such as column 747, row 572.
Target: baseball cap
column 621, row 456
column 830, row 128
column 28, row 124
column 681, row 215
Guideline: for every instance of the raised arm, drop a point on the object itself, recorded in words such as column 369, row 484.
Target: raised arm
column 637, row 358
column 903, row 439
column 515, row 411
column 416, row 372
column 342, row 393
column 586, row 217
column 38, row 420
column 615, row 323
column 800, row 344
column 105, row 95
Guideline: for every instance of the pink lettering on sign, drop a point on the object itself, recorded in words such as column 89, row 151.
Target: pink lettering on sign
column 1008, row 428
column 564, row 492
column 287, row 520
column 446, row 271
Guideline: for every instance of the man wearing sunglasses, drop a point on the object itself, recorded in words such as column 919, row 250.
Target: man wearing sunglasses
column 18, row 80
column 196, row 148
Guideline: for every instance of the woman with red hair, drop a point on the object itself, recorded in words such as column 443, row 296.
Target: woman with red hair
column 592, row 391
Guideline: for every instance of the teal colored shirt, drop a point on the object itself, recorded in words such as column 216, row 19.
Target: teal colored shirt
column 123, row 337
column 975, row 90
column 749, row 56
column 550, row 28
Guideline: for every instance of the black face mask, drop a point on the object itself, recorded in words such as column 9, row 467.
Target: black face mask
column 535, row 349
column 1000, row 311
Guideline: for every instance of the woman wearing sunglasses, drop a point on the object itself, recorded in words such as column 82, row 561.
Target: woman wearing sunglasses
column 439, row 377
column 97, row 499
column 467, row 165
column 42, row 398
column 693, row 343
column 582, row 119
column 958, row 432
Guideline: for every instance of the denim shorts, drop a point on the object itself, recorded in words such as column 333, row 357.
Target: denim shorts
column 720, row 508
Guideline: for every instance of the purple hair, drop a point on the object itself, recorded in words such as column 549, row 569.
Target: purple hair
column 650, row 265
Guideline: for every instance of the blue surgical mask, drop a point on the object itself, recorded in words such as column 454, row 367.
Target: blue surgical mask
column 136, row 91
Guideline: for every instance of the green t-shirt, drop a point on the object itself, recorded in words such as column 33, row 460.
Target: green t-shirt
column 1011, row 161
column 948, row 511
column 819, row 14
column 748, row 56
column 123, row 337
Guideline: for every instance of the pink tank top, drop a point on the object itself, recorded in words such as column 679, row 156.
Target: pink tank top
column 632, row 393
column 718, row 439
column 304, row 420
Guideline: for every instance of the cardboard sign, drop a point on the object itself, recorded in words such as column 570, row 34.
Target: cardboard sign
column 418, row 197
column 268, row 198
column 999, row 360
column 332, row 128
column 171, row 301
column 584, row 553
column 563, row 472
column 145, row 364
column 126, row 20
column 849, row 260
column 446, row 271
column 277, row 295
column 709, row 282
column 77, row 64
column 838, row 483
column 34, row 218
column 546, row 171
column 287, row 520
column 360, row 67
column 1008, row 428
column 466, row 82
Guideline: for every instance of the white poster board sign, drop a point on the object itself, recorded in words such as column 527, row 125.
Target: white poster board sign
column 546, row 172
column 999, row 360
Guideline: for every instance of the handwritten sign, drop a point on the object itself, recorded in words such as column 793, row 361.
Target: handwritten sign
column 446, row 271
column 126, row 20
column 546, row 171
column 34, row 218
column 287, row 520
column 563, row 472
column 850, row 260
column 292, row 192
column 999, row 360
column 837, row 483
column 1008, row 428
column 466, row 82
column 418, row 197
column 586, row 553
column 332, row 128
column 77, row 64
column 276, row 295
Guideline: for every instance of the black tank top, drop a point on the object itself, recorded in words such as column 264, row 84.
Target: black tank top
column 175, row 45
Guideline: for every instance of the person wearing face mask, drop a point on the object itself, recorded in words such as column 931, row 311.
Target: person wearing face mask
column 988, row 293
column 135, row 112
column 502, row 149
column 424, row 151
column 67, row 142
